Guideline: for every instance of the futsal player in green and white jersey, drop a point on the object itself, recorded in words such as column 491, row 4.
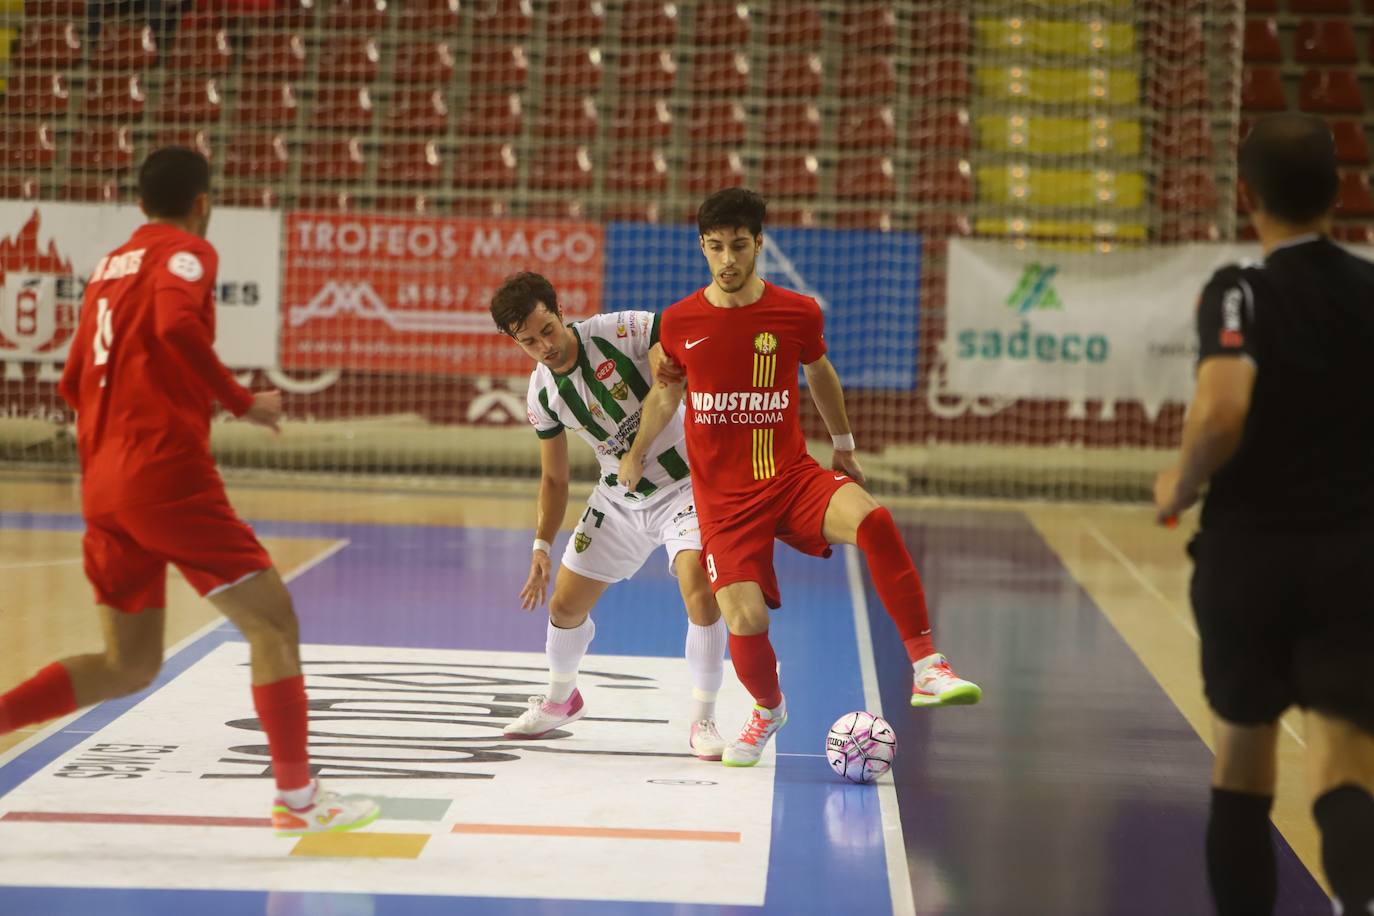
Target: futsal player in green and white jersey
column 591, row 378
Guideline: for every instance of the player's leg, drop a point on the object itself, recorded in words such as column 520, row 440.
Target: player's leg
column 1241, row 866
column 756, row 665
column 1341, row 773
column 852, row 516
column 705, row 652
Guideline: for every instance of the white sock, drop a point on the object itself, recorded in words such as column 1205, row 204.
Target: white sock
column 299, row 798
column 706, row 662
column 565, row 649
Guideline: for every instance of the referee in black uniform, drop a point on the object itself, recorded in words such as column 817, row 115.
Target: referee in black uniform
column 1282, row 429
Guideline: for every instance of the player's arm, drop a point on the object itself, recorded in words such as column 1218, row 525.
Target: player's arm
column 655, row 414
column 828, row 394
column 70, row 385
column 552, row 506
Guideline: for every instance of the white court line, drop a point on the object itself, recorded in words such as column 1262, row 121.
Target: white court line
column 39, row 564
column 58, row 725
column 894, row 843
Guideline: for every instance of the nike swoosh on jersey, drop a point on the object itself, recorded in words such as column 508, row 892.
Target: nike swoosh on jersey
column 842, row 477
column 692, row 343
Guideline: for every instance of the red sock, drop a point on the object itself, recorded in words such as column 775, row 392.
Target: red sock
column 46, row 695
column 284, row 715
column 757, row 668
column 897, row 582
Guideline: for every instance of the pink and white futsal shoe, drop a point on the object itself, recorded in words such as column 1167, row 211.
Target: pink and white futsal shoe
column 543, row 716
column 705, row 740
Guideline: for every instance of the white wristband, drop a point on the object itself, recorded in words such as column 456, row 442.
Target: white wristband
column 541, row 544
column 843, row 443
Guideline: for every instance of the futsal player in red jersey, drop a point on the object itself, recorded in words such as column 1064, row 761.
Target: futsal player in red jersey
column 739, row 343
column 142, row 376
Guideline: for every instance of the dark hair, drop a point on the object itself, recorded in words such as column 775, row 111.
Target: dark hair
column 170, row 180
column 731, row 209
column 518, row 297
column 1289, row 162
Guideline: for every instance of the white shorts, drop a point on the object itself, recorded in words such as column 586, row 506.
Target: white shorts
column 615, row 537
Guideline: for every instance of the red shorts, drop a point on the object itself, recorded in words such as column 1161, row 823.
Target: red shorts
column 739, row 547
column 127, row 551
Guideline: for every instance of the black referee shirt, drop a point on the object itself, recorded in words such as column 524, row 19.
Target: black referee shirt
column 1306, row 320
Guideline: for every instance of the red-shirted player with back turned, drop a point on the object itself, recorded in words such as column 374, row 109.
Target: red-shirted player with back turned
column 739, row 342
column 143, row 377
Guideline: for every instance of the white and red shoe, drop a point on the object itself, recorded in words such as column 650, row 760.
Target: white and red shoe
column 544, row 716
column 936, row 684
column 705, row 741
column 327, row 812
column 748, row 747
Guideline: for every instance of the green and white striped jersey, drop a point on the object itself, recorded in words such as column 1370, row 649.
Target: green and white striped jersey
column 600, row 399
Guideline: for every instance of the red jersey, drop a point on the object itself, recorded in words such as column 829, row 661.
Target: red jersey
column 143, row 375
column 743, row 429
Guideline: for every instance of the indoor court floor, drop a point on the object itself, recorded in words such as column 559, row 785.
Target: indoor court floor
column 1078, row 785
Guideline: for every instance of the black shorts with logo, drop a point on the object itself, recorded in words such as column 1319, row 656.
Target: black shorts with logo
column 1286, row 617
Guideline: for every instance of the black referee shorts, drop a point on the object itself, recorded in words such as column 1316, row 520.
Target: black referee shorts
column 1286, row 617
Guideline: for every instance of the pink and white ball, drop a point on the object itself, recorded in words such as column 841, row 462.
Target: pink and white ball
column 860, row 746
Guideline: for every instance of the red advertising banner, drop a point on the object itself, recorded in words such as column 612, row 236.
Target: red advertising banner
column 410, row 294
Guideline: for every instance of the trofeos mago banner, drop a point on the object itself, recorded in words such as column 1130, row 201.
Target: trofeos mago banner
column 48, row 250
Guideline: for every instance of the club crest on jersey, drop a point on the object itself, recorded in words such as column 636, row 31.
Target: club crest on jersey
column 581, row 542
column 765, row 343
column 620, row 329
column 604, row 370
column 597, row 411
column 620, row 391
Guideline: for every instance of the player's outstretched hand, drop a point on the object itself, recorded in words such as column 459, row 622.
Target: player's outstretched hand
column 266, row 410
column 1170, row 498
column 631, row 470
column 848, row 463
column 532, row 595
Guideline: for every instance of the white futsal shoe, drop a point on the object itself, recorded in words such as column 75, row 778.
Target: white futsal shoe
column 544, row 716
column 748, row 747
column 328, row 812
column 936, row 684
column 705, row 741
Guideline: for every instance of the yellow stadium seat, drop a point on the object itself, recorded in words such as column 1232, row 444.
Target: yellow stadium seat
column 1017, row 226
column 1053, row 36
column 1021, row 133
column 1100, row 85
column 1098, row 189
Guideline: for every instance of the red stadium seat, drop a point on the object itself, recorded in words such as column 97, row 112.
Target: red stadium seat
column 1180, row 39
column 280, row 55
column 1353, row 233
column 943, row 81
column 48, row 44
column 708, row 170
column 795, row 124
column 790, row 175
column 868, row 27
column 16, row 187
column 257, row 157
column 1354, row 198
column 38, row 92
column 865, row 178
column 122, row 96
column 410, row 162
column 200, row 46
column 337, row 201
column 567, row 117
column 575, row 21
column 54, row 9
column 633, row 212
column 417, row 111
column 1262, row 41
column 498, row 67
column 196, row 138
column 1183, row 137
column 798, row 23
column 575, row 69
column 1320, row 6
column 648, row 22
column 1175, row 231
column 423, row 63
column 716, row 122
column 269, row 103
column 29, row 145
column 641, row 171
column 102, row 149
column 93, row 191
column 190, row 98
column 792, row 216
column 349, row 59
column 792, row 73
column 1325, row 41
column 942, row 180
column 944, row 32
column 502, row 19
column 355, row 16
column 867, row 76
column 254, row 196
column 492, row 114
column 1329, row 91
column 435, row 17
column 721, row 72
column 721, row 25
column 124, row 47
column 334, row 160
column 342, row 108
column 488, row 166
column 1187, row 190
column 1351, row 145
column 646, row 119
column 946, row 130
column 863, row 219
column 561, row 168
column 646, row 71
column 1261, row 89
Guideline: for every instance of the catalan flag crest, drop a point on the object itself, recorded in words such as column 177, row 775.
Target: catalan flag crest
column 765, row 359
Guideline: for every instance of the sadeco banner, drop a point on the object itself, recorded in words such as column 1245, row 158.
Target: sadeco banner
column 1056, row 324
column 48, row 250
column 867, row 282
column 406, row 294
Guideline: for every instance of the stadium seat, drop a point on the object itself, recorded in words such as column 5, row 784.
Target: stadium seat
column 268, row 103
column 410, row 162
column 792, row 73
column 640, row 171
column 1261, row 89
column 721, row 25
column 200, row 46
column 1183, row 137
column 1111, row 86
column 720, row 72
column 1177, row 38
column 120, row 96
column 866, row 125
column 942, row 32
column 707, row 171
column 648, row 22
column 254, row 196
column 1176, row 87
column 92, row 191
column 1262, row 41
column 796, row 24
column 498, row 67
column 423, row 62
column 17, row 187
column 279, row 55
column 1354, row 198
column 567, row 117
column 646, row 119
column 335, row 201
column 342, row 159
column 37, row 92
column 53, row 45
column 632, row 212
column 124, row 48
column 1325, row 41
column 293, row 15
column 196, row 138
column 417, row 111
column 1261, row 6
column 1351, row 145
column 491, row 114
column 1320, row 6
column 556, row 167
column 646, row 71
column 946, row 81
column 52, row 9
column 194, row 99
column 790, row 175
column 717, row 122
column 560, row 207
column 1187, row 190
column 418, row 204
column 942, row 129
column 1061, row 136
column 865, row 178
column 29, row 145
column 349, row 59
column 573, row 69
column 257, row 157
column 487, row 166
column 1330, row 91
column 342, row 108
column 102, row 149
column 1176, row 231
column 867, row 26
column 942, row 181
column 1353, row 233
column 794, row 124
column 575, row 21
column 355, row 16
column 434, row 17
column 867, row 76
column 502, row 19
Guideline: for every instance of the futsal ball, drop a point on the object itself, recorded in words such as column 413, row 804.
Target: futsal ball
column 860, row 746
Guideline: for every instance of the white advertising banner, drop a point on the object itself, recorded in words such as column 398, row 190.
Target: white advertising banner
column 1047, row 323
column 48, row 250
